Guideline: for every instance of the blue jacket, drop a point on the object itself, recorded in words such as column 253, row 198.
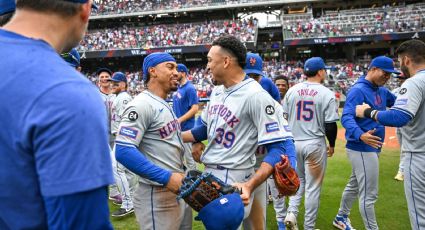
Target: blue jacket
column 379, row 98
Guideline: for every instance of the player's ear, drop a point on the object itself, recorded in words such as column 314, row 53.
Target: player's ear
column 226, row 61
column 152, row 72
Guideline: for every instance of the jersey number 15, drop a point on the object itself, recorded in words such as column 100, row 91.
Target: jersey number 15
column 305, row 110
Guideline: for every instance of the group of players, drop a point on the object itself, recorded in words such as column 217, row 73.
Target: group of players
column 56, row 142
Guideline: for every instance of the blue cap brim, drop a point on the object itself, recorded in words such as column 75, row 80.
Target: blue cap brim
column 110, row 79
column 254, row 71
column 391, row 71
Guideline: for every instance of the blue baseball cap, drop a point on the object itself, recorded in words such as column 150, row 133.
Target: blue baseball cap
column 7, row 6
column 153, row 60
column 314, row 64
column 384, row 63
column 94, row 6
column 182, row 68
column 118, row 77
column 223, row 213
column 254, row 64
column 72, row 57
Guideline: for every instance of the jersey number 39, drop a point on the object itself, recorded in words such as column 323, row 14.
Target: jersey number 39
column 225, row 138
column 305, row 110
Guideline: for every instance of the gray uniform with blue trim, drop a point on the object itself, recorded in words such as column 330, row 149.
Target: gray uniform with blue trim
column 238, row 119
column 151, row 125
column 411, row 100
column 309, row 107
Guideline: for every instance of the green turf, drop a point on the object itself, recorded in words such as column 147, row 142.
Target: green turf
column 391, row 208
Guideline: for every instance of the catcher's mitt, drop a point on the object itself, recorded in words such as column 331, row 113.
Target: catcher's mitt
column 285, row 178
column 199, row 189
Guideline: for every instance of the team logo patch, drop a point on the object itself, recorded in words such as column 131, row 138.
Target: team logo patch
column 272, row 127
column 132, row 116
column 402, row 91
column 401, row 102
column 252, row 61
column 270, row 110
column 128, row 132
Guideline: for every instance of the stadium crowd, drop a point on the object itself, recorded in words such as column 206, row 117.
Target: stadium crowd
column 341, row 76
column 130, row 6
column 167, row 35
column 388, row 19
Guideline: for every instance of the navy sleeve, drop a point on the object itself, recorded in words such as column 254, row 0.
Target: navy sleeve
column 84, row 210
column 348, row 119
column 390, row 98
column 200, row 132
column 275, row 149
column 67, row 132
column 392, row 117
column 136, row 162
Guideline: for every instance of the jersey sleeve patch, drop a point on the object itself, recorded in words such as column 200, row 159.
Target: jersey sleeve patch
column 129, row 132
column 401, row 102
column 272, row 127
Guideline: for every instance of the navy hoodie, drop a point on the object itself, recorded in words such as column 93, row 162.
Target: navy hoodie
column 379, row 98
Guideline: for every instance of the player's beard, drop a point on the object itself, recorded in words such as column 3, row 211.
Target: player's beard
column 405, row 71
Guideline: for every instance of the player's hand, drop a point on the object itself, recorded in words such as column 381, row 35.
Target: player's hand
column 197, row 150
column 330, row 151
column 360, row 110
column 175, row 182
column 370, row 139
column 245, row 191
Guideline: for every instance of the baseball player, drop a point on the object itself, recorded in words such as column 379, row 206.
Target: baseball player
column 409, row 112
column 312, row 115
column 7, row 8
column 54, row 167
column 149, row 143
column 400, row 174
column 126, row 180
column 282, row 85
column 240, row 116
column 254, row 69
column 279, row 204
column 364, row 142
column 185, row 106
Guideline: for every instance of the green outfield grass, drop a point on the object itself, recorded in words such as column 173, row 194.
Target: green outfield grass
column 391, row 208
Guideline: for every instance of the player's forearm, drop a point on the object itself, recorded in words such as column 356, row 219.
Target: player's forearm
column 187, row 136
column 191, row 113
column 331, row 130
column 260, row 176
column 136, row 162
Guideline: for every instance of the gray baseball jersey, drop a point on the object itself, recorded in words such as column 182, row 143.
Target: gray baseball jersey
column 117, row 109
column 150, row 124
column 309, row 107
column 240, row 118
column 411, row 100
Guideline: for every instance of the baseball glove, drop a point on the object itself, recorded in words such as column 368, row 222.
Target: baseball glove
column 285, row 178
column 199, row 189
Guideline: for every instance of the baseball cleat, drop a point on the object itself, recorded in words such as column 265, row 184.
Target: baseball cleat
column 291, row 221
column 342, row 222
column 122, row 212
column 399, row 176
